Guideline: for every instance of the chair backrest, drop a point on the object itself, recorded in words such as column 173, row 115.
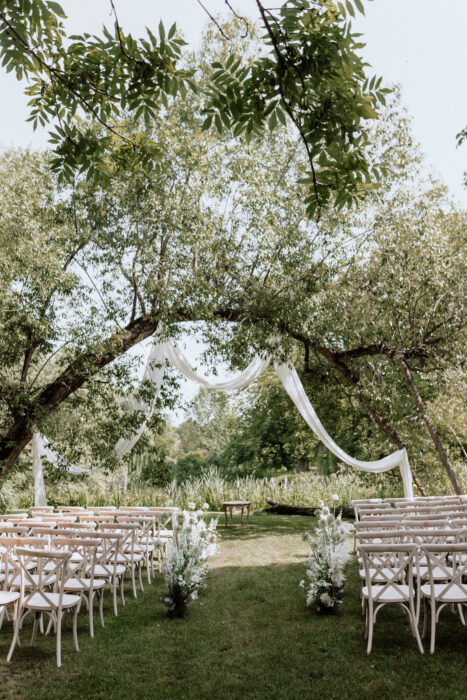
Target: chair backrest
column 90, row 517
column 144, row 531
column 451, row 561
column 380, row 537
column 420, row 523
column 50, row 573
column 127, row 532
column 35, row 510
column 90, row 525
column 70, row 509
column 83, row 557
column 102, row 510
column 388, row 569
column 431, row 536
column 12, row 531
column 108, row 549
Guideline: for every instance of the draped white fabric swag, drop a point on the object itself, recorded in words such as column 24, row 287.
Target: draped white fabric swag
column 154, row 373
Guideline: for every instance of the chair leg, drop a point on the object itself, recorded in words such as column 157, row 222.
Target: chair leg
column 34, row 628
column 90, row 602
column 148, row 569
column 17, row 624
column 59, row 639
column 433, row 628
column 370, row 631
column 101, row 606
column 114, row 592
column 461, row 613
column 75, row 627
column 140, row 574
column 133, row 581
column 122, row 592
column 425, row 618
column 414, row 624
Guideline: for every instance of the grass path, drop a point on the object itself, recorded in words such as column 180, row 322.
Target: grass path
column 249, row 636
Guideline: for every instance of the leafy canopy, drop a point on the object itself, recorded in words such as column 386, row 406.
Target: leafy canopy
column 312, row 76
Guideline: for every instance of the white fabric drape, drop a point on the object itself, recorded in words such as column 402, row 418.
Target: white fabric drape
column 293, row 386
column 154, row 374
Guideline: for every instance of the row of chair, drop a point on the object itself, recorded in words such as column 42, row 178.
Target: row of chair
column 412, row 556
column 52, row 561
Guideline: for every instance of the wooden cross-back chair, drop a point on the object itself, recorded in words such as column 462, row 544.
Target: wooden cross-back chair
column 144, row 538
column 9, row 599
column 389, row 580
column 451, row 559
column 43, row 592
column 127, row 555
column 106, row 565
column 80, row 578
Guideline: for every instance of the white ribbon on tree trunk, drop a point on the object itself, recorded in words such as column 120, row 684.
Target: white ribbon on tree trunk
column 154, row 373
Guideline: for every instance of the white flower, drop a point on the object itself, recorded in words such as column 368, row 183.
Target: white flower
column 199, row 512
column 205, row 506
column 335, row 497
column 302, row 583
column 191, row 505
column 326, row 599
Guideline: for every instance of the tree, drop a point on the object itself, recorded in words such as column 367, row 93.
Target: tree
column 313, row 76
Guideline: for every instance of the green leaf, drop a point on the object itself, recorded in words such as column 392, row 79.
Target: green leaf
column 207, row 123
column 349, row 7
column 359, row 6
column 55, row 7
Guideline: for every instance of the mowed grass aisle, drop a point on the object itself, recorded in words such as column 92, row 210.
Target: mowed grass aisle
column 248, row 636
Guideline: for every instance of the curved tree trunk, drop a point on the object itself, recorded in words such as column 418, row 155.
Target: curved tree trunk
column 72, row 378
column 430, row 426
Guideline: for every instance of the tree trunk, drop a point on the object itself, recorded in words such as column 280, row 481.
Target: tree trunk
column 286, row 509
column 354, row 380
column 72, row 378
column 303, row 464
column 430, row 426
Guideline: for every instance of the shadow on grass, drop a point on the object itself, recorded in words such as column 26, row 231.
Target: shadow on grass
column 249, row 635
column 262, row 524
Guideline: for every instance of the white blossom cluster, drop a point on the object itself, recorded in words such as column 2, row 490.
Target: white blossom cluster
column 185, row 565
column 328, row 558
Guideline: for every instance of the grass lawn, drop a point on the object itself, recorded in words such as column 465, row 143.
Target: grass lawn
column 248, row 636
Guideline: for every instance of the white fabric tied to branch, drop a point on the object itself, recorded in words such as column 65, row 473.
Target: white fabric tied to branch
column 154, row 373
column 293, row 386
column 41, row 448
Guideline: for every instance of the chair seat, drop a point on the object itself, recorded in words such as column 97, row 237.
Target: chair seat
column 126, row 558
column 16, row 583
column 30, row 565
column 438, row 573
column 165, row 533
column 106, row 572
column 144, row 548
column 381, row 577
column 38, row 602
column 7, row 597
column 390, row 594
column 454, row 594
column 83, row 584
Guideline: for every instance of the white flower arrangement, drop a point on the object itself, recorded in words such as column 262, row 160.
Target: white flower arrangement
column 326, row 563
column 185, row 565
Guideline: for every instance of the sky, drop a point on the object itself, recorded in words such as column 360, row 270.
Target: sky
column 419, row 44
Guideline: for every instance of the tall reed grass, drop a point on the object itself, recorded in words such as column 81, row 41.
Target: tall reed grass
column 212, row 487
